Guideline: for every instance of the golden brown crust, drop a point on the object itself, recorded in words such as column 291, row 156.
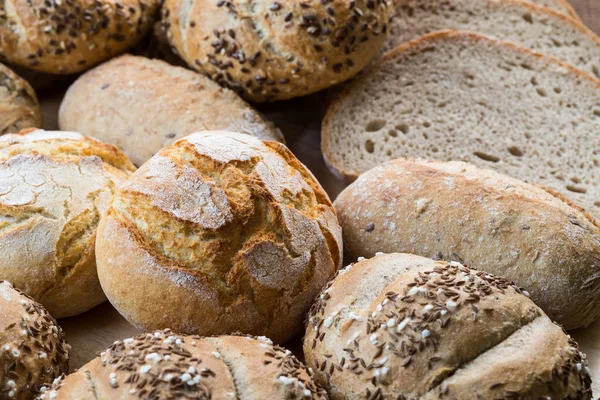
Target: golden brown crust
column 277, row 50
column 407, row 326
column 163, row 365
column 499, row 224
column 231, row 231
column 33, row 350
column 63, row 37
column 19, row 107
column 54, row 186
column 143, row 105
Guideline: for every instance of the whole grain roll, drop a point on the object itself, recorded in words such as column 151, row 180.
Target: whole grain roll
column 33, row 350
column 218, row 233
column 68, row 36
column 162, row 365
column 143, row 105
column 456, row 211
column 271, row 50
column 400, row 326
column 19, row 107
column 54, row 186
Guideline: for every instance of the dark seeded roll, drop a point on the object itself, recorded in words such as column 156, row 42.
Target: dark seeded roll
column 33, row 350
column 274, row 50
column 162, row 365
column 400, row 326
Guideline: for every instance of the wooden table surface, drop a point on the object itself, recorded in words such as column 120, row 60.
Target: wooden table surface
column 299, row 119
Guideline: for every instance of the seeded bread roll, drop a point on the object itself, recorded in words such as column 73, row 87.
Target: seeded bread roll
column 113, row 103
column 233, row 233
column 489, row 221
column 162, row 365
column 33, row 350
column 53, row 188
column 399, row 326
column 19, row 107
column 271, row 50
column 68, row 36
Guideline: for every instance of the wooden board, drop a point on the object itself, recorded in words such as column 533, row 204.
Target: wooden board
column 299, row 119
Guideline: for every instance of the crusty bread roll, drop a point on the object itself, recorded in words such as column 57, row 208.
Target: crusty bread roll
column 456, row 211
column 67, row 36
column 399, row 326
column 162, row 365
column 54, row 186
column 19, row 107
column 277, row 50
column 33, row 350
column 219, row 232
column 143, row 105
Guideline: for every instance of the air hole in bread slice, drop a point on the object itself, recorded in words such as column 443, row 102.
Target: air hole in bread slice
column 576, row 189
column 487, row 157
column 375, row 125
column 402, row 128
column 528, row 17
column 369, row 146
column 515, row 151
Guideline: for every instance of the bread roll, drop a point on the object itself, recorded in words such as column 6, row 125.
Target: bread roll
column 399, row 326
column 33, row 350
column 53, row 188
column 277, row 50
column 19, row 107
column 143, row 105
column 162, row 365
column 67, row 36
column 219, row 232
column 488, row 221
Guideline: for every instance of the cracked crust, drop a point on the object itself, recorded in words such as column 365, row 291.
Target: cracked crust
column 232, row 232
column 163, row 365
column 184, row 102
column 33, row 350
column 19, row 107
column 487, row 220
column 64, row 37
column 272, row 50
column 407, row 327
column 53, row 188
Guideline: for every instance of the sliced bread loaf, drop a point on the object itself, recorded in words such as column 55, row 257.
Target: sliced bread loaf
column 537, row 28
column 465, row 97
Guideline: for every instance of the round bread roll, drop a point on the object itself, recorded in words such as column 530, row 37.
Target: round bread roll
column 143, row 105
column 54, row 186
column 400, row 326
column 162, row 365
column 272, row 50
column 218, row 233
column 33, row 350
column 19, row 107
column 67, row 36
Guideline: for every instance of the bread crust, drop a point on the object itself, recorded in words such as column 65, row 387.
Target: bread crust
column 33, row 350
column 251, row 258
column 403, row 326
column 277, row 50
column 19, row 106
column 492, row 222
column 55, row 186
column 64, row 37
column 143, row 105
column 163, row 365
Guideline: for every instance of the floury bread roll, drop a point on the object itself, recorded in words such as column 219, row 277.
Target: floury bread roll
column 218, row 233
column 68, row 36
column 275, row 50
column 54, row 186
column 497, row 224
column 33, row 350
column 19, row 106
column 143, row 105
column 399, row 326
column 162, row 365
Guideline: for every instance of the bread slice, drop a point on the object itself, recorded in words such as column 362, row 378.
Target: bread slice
column 538, row 28
column 461, row 96
column 562, row 6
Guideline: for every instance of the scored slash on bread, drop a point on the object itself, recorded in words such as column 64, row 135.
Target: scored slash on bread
column 536, row 28
column 465, row 97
